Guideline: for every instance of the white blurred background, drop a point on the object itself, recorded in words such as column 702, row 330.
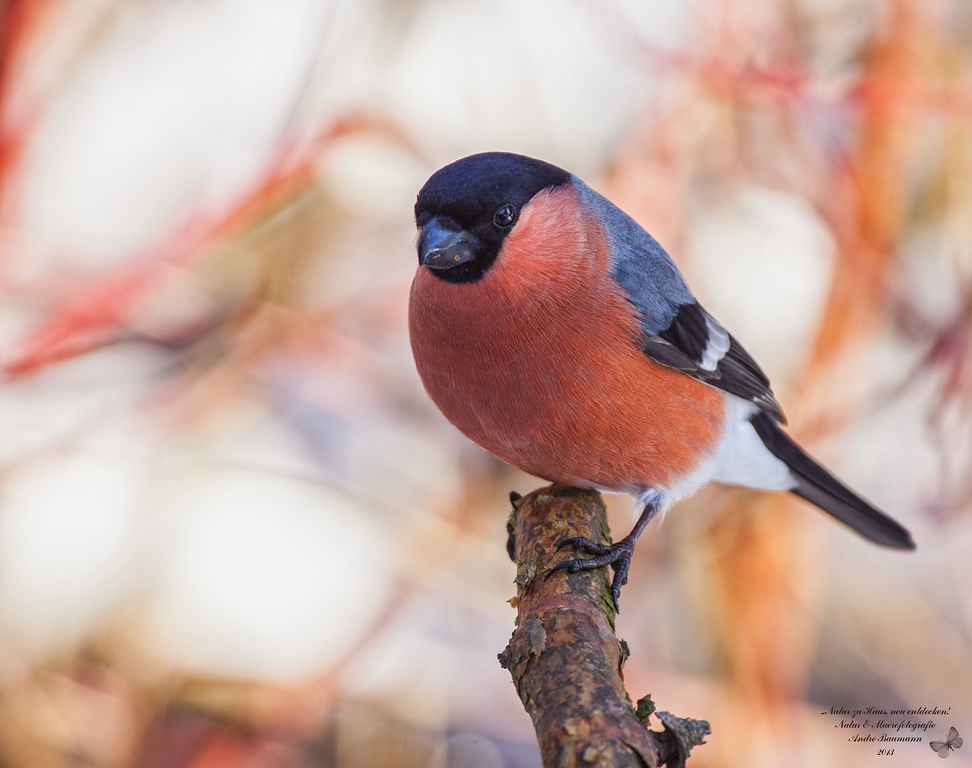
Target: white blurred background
column 233, row 529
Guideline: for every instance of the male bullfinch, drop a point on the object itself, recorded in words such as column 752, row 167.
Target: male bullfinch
column 557, row 334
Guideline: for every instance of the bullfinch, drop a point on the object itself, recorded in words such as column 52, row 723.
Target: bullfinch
column 556, row 333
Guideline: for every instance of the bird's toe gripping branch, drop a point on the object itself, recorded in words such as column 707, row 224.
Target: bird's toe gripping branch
column 618, row 556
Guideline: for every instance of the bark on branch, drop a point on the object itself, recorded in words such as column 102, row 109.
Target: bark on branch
column 564, row 657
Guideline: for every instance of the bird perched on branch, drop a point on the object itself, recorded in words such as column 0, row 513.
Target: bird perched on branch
column 557, row 334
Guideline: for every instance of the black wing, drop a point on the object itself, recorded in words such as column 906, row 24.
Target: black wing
column 695, row 344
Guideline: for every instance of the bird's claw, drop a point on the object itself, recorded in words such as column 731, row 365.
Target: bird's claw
column 618, row 556
column 585, row 544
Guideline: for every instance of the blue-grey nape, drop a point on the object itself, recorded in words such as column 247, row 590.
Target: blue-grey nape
column 639, row 263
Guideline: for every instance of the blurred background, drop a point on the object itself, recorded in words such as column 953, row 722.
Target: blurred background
column 233, row 529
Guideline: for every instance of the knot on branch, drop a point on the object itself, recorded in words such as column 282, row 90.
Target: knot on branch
column 564, row 656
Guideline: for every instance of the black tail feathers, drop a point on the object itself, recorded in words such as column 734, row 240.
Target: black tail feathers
column 819, row 487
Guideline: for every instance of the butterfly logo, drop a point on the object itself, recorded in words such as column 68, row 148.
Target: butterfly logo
column 952, row 741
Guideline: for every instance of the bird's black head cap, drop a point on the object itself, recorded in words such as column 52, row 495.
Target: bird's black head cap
column 471, row 205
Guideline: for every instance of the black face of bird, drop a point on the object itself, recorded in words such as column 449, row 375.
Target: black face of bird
column 466, row 209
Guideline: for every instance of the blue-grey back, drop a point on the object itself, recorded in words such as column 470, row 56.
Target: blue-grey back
column 639, row 264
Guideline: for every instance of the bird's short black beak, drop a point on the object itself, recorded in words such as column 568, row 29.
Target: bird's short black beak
column 443, row 246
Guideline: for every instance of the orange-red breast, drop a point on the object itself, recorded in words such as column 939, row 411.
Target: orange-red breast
column 557, row 334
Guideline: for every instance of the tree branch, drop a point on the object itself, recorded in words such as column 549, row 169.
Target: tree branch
column 564, row 657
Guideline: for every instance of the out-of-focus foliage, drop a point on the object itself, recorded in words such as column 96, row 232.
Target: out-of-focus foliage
column 234, row 531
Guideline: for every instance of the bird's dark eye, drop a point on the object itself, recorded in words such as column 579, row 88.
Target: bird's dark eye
column 504, row 216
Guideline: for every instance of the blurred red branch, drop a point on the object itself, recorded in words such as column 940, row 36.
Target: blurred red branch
column 872, row 95
column 87, row 319
column 18, row 21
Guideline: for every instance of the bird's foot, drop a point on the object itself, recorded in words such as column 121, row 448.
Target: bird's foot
column 618, row 556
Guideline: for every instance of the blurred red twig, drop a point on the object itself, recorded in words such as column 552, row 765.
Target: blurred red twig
column 87, row 319
column 18, row 21
column 903, row 98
